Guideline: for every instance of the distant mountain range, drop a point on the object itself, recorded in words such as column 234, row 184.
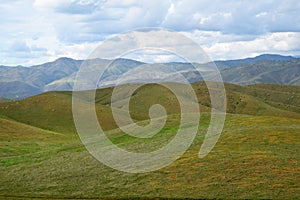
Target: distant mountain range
column 20, row 82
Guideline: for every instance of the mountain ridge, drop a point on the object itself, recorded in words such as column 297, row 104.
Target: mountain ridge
column 61, row 74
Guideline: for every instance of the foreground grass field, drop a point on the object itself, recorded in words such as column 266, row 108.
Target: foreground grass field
column 257, row 155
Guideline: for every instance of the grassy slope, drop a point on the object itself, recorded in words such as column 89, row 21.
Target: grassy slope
column 279, row 96
column 52, row 111
column 4, row 99
column 18, row 138
column 256, row 156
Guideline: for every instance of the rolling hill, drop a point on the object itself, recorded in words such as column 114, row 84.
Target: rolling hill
column 52, row 110
column 257, row 156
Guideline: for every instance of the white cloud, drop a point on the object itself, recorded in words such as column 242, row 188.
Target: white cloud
column 19, row 46
column 153, row 56
column 49, row 5
column 54, row 28
column 238, row 17
column 286, row 43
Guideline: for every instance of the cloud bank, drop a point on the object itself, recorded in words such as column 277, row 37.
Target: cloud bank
column 36, row 31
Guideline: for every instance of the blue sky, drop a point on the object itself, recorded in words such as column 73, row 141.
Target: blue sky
column 37, row 31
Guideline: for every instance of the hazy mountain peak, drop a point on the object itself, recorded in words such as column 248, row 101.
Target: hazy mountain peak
column 273, row 57
column 64, row 59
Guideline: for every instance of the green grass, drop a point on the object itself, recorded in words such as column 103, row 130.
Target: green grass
column 257, row 155
column 53, row 110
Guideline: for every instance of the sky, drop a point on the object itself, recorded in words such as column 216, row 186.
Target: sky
column 38, row 31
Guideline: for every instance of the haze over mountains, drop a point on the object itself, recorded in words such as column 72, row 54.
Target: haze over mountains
column 20, row 82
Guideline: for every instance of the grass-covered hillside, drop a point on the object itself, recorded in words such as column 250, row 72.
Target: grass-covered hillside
column 257, row 155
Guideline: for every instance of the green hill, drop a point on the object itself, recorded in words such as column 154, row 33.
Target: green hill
column 52, row 110
column 4, row 99
column 18, row 139
column 257, row 155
